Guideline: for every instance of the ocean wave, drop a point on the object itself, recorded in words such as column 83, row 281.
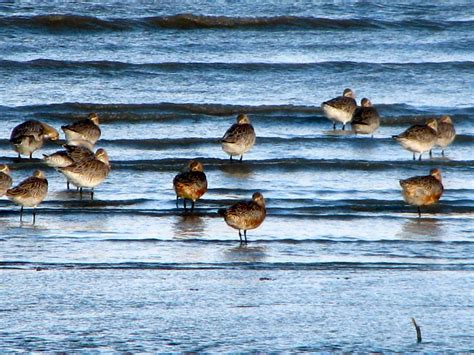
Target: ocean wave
column 39, row 64
column 330, row 265
column 186, row 21
column 195, row 142
column 284, row 164
column 391, row 113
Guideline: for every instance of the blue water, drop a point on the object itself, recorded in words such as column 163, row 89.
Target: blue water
column 340, row 264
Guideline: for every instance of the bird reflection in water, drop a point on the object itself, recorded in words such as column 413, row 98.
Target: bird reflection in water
column 240, row 171
column 189, row 225
column 422, row 227
column 245, row 253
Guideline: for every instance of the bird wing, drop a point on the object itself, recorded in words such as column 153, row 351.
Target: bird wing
column 342, row 103
column 84, row 127
column 77, row 153
column 236, row 132
column 31, row 185
column 28, row 128
column 364, row 115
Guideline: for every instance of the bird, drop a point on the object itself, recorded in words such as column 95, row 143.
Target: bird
column 87, row 129
column 88, row 173
column 5, row 179
column 341, row 108
column 446, row 133
column 30, row 192
column 365, row 119
column 419, row 138
column 245, row 215
column 191, row 184
column 239, row 138
column 72, row 154
column 29, row 136
column 422, row 190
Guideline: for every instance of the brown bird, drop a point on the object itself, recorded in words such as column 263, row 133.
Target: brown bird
column 87, row 129
column 88, row 173
column 72, row 154
column 419, row 138
column 191, row 184
column 5, row 179
column 446, row 133
column 30, row 135
column 341, row 108
column 29, row 193
column 422, row 190
column 239, row 138
column 245, row 215
column 365, row 119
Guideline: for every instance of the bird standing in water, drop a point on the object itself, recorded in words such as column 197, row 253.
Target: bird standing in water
column 191, row 184
column 239, row 138
column 446, row 133
column 366, row 119
column 87, row 129
column 29, row 193
column 341, row 108
column 422, row 190
column 245, row 215
column 419, row 138
column 29, row 136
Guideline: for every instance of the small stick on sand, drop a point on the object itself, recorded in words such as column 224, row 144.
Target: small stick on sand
column 418, row 330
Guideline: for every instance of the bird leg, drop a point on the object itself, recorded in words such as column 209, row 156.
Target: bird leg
column 31, row 155
column 419, row 211
column 420, row 157
column 21, row 214
column 34, row 215
column 334, row 126
column 414, row 157
column 67, row 184
column 442, row 152
column 344, row 127
column 241, row 157
column 240, row 237
column 231, row 157
column 184, row 201
column 92, row 194
column 80, row 192
column 431, row 153
column 177, row 200
column 192, row 206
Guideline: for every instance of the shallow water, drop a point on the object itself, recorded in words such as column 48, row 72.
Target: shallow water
column 340, row 263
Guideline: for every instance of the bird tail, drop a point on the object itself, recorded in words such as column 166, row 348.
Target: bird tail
column 221, row 212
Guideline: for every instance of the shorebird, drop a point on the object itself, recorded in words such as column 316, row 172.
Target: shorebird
column 419, row 138
column 5, row 179
column 191, row 184
column 340, row 109
column 29, row 193
column 30, row 135
column 87, row 129
column 245, row 215
column 72, row 154
column 422, row 190
column 88, row 173
column 239, row 138
column 365, row 119
column 446, row 133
